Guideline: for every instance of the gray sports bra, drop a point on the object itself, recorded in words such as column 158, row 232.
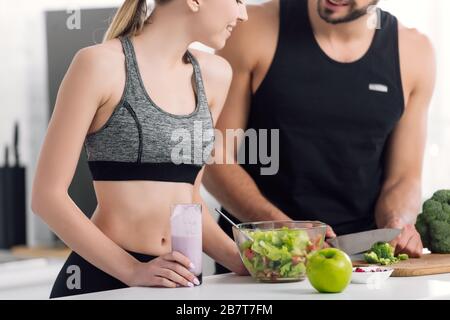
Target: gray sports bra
column 141, row 141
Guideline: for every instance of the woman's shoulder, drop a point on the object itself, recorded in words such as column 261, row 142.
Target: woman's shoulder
column 213, row 67
column 217, row 75
column 104, row 58
column 99, row 67
column 216, row 72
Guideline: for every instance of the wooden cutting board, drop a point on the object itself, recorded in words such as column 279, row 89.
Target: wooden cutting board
column 427, row 265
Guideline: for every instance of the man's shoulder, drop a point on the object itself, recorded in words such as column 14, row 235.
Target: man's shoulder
column 417, row 60
column 414, row 40
column 417, row 55
column 411, row 38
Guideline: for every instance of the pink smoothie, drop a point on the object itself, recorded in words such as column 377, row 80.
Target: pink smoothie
column 191, row 247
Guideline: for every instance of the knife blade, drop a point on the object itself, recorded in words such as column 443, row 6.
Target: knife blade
column 362, row 241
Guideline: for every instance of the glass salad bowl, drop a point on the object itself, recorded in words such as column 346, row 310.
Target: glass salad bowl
column 276, row 251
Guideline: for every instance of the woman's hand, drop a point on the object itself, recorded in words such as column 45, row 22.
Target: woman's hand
column 170, row 270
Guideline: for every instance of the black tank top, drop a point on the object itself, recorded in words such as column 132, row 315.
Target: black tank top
column 334, row 121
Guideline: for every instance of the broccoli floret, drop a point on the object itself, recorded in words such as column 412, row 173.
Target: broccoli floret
column 446, row 208
column 403, row 256
column 383, row 253
column 385, row 262
column 434, row 222
column 440, row 233
column 383, row 250
column 371, row 257
column 433, row 210
column 442, row 196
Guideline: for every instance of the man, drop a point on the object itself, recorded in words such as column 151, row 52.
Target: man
column 349, row 93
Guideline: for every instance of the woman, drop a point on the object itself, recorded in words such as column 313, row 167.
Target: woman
column 117, row 100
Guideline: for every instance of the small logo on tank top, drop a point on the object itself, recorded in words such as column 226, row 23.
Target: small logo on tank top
column 378, row 87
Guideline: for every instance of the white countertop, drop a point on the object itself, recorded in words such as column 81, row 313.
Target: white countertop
column 232, row 287
column 28, row 279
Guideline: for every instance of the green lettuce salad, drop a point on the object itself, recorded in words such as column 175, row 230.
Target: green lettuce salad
column 278, row 254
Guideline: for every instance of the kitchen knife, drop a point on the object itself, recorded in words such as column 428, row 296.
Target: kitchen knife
column 362, row 241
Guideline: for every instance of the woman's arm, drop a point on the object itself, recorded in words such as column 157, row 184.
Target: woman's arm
column 82, row 92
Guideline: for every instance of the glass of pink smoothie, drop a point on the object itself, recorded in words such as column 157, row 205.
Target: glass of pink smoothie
column 186, row 230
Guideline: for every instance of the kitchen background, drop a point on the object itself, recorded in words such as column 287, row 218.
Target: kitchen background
column 37, row 45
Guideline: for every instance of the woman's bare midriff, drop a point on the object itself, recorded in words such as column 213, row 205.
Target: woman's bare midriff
column 136, row 214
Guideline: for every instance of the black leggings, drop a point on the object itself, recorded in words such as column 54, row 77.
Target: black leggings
column 78, row 276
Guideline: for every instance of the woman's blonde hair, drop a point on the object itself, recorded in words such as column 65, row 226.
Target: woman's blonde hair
column 129, row 19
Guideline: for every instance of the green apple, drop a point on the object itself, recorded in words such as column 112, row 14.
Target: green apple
column 329, row 270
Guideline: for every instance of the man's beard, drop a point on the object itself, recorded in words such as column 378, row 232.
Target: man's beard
column 354, row 13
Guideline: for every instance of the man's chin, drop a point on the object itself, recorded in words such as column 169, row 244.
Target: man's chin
column 344, row 14
column 335, row 19
column 332, row 19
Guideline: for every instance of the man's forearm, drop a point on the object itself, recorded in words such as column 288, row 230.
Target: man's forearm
column 238, row 193
column 399, row 203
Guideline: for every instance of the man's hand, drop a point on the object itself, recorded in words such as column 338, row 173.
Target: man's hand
column 329, row 235
column 408, row 241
